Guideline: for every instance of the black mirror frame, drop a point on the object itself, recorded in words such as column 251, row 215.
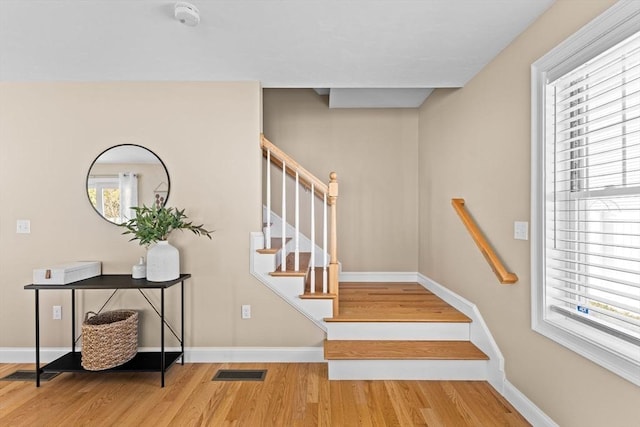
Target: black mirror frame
column 86, row 183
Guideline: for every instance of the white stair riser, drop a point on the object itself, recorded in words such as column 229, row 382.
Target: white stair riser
column 316, row 308
column 292, row 287
column 441, row 370
column 397, row 331
column 264, row 263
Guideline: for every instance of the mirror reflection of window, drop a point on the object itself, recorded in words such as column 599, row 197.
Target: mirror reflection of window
column 123, row 177
column 104, row 194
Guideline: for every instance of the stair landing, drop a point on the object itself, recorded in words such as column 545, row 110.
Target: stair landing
column 393, row 302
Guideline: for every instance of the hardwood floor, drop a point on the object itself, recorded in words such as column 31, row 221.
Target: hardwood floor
column 292, row 394
column 393, row 302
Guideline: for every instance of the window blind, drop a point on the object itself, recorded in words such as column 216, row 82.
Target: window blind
column 592, row 187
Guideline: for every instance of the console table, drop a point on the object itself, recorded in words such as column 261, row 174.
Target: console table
column 157, row 361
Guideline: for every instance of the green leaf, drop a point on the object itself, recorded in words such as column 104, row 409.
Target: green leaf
column 153, row 224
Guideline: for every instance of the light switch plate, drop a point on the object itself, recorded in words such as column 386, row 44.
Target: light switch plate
column 23, row 226
column 521, row 230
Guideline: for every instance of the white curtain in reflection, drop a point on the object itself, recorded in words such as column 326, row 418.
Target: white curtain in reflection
column 128, row 194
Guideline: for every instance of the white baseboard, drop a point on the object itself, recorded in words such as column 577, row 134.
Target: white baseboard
column 526, row 407
column 28, row 354
column 480, row 335
column 254, row 354
column 192, row 355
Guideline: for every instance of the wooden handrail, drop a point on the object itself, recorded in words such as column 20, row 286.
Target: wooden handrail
column 306, row 177
column 326, row 192
column 496, row 265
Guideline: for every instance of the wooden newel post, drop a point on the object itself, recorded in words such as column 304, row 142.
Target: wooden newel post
column 333, row 248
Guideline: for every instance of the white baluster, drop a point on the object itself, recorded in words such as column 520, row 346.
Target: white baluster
column 313, row 242
column 267, row 232
column 283, row 264
column 296, row 255
column 325, row 247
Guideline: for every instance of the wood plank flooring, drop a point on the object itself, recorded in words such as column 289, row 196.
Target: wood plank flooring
column 402, row 350
column 291, row 395
column 392, row 302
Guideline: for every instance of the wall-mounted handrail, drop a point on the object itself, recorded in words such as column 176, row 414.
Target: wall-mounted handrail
column 498, row 268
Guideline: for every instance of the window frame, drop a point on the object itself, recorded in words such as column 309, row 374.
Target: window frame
column 101, row 183
column 614, row 25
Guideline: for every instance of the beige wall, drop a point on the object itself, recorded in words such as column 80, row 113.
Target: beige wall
column 374, row 153
column 207, row 134
column 475, row 144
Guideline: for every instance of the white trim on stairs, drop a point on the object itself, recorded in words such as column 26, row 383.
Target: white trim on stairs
column 304, row 243
column 480, row 336
column 414, row 370
column 314, row 310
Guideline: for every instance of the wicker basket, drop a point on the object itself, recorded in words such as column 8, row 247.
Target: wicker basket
column 109, row 339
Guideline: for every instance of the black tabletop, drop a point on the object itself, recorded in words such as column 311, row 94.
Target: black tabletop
column 112, row 281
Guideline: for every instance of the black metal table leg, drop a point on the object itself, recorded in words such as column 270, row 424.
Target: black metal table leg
column 37, row 339
column 70, row 362
column 162, row 336
column 73, row 320
column 182, row 318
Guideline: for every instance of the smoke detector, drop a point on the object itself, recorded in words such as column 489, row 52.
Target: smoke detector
column 187, row 13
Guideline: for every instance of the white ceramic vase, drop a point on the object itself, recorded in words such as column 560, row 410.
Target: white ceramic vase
column 163, row 262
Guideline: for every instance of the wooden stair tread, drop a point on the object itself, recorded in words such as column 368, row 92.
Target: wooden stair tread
column 401, row 350
column 276, row 245
column 304, row 258
column 418, row 318
column 317, row 295
column 393, row 302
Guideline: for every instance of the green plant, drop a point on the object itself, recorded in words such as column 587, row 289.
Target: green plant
column 153, row 224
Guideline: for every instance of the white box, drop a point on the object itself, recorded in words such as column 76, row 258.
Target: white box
column 66, row 273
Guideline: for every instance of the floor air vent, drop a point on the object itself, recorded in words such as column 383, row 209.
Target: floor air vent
column 29, row 376
column 240, row 375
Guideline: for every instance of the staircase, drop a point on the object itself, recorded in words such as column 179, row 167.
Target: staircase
column 390, row 330
column 379, row 329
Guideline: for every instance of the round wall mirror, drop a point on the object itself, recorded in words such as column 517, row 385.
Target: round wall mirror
column 126, row 176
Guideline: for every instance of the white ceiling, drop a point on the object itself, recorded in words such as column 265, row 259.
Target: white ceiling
column 343, row 44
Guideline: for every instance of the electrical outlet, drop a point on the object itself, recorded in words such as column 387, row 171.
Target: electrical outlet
column 57, row 312
column 246, row 312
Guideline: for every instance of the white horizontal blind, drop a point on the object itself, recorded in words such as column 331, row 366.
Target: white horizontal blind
column 592, row 208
